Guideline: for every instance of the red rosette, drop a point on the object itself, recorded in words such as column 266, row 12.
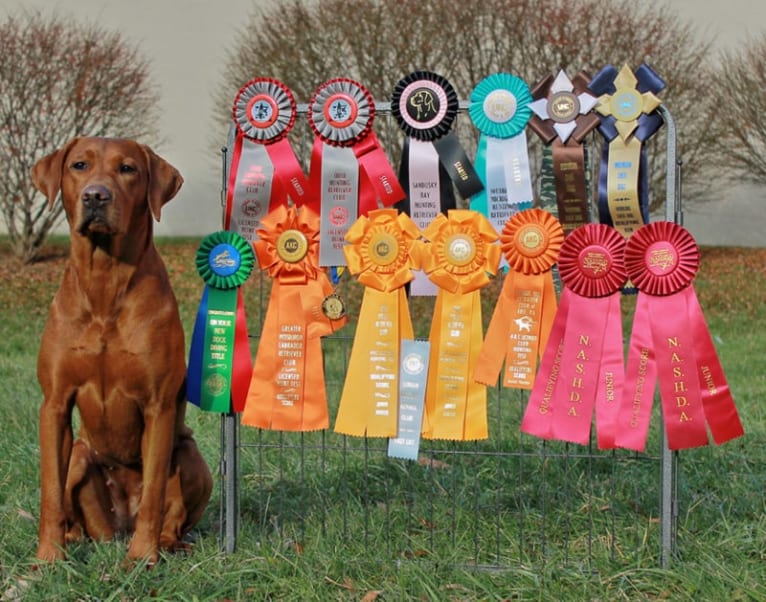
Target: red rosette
column 531, row 241
column 264, row 110
column 341, row 112
column 591, row 261
column 661, row 258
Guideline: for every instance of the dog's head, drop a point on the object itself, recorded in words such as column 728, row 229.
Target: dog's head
column 106, row 184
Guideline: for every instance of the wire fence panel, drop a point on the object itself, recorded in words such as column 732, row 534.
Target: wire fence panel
column 506, row 501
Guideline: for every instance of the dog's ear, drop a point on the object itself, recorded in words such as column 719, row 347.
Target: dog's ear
column 164, row 181
column 46, row 173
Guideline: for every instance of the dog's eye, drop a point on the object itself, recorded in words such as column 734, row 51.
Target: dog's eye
column 79, row 165
column 125, row 168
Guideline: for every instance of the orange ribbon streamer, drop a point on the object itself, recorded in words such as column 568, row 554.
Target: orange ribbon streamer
column 458, row 258
column 526, row 308
column 379, row 254
column 287, row 388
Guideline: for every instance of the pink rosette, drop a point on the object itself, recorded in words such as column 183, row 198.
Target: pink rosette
column 670, row 343
column 582, row 367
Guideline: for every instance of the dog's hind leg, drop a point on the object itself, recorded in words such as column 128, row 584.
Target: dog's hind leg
column 87, row 502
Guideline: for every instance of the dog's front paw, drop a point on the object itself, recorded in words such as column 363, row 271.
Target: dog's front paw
column 49, row 552
column 142, row 551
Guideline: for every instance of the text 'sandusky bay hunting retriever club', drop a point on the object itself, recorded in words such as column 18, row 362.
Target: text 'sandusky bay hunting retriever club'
column 113, row 346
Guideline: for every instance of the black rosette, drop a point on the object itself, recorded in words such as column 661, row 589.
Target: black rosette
column 224, row 260
column 341, row 112
column 424, row 105
column 264, row 110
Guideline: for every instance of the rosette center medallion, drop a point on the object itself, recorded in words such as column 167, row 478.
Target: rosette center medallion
column 292, row 246
column 461, row 249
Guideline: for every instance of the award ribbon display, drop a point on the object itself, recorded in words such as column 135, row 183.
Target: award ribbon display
column 287, row 386
column 349, row 171
column 219, row 355
column 582, row 365
column 562, row 118
column 628, row 106
column 425, row 106
column 379, row 254
column 500, row 110
column 458, row 256
column 264, row 170
column 670, row 342
column 523, row 316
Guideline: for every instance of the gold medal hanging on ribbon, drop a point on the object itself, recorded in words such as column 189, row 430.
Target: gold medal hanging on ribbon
column 287, row 388
column 379, row 254
column 521, row 323
column 458, row 257
column 628, row 107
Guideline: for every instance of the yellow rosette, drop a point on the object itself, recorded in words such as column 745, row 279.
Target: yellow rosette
column 458, row 258
column 287, row 388
column 523, row 316
column 378, row 253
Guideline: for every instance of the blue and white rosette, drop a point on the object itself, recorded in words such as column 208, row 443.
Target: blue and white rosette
column 500, row 110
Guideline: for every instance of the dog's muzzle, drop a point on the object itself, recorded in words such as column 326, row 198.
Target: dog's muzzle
column 96, row 200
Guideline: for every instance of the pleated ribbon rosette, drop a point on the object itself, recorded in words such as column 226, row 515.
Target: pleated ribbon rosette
column 499, row 109
column 425, row 105
column 523, row 316
column 582, row 366
column 629, row 117
column 264, row 170
column 670, row 343
column 350, row 173
column 287, row 386
column 379, row 254
column 219, row 354
column 458, row 257
column 562, row 119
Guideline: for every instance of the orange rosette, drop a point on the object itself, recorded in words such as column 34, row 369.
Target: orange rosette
column 287, row 388
column 458, row 257
column 523, row 316
column 379, row 254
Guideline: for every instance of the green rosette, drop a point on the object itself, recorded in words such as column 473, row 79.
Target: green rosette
column 219, row 357
column 500, row 105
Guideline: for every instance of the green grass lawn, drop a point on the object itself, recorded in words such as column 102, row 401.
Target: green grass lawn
column 326, row 518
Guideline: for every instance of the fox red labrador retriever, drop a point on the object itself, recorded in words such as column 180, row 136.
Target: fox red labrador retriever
column 113, row 347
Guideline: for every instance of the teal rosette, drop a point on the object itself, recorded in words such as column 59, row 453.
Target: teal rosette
column 219, row 357
column 499, row 108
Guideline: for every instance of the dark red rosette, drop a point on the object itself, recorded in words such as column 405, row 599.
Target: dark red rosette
column 662, row 258
column 341, row 112
column 264, row 110
column 670, row 343
column 591, row 261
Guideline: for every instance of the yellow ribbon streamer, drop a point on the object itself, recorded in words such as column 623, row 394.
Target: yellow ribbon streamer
column 458, row 257
column 379, row 254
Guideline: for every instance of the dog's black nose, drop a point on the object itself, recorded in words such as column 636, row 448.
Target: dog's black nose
column 96, row 195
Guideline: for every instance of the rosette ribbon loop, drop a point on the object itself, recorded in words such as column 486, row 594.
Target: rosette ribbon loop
column 350, row 173
column 219, row 355
column 499, row 108
column 582, row 366
column 379, row 254
column 627, row 105
column 264, row 170
column 562, row 118
column 670, row 343
column 458, row 254
column 425, row 106
column 523, row 316
column 287, row 386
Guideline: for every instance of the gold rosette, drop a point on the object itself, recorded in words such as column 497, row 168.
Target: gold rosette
column 287, row 388
column 523, row 316
column 379, row 254
column 458, row 258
